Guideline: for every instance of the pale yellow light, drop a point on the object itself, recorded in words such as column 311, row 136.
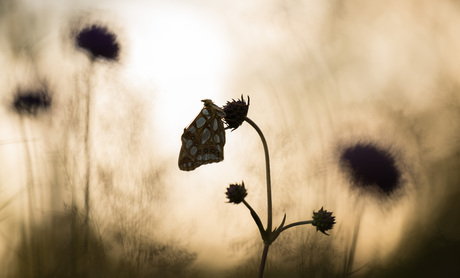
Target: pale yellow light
column 181, row 54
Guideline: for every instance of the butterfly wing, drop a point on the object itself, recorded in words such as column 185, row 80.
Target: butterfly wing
column 204, row 139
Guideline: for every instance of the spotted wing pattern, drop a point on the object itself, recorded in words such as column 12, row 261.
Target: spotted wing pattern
column 204, row 139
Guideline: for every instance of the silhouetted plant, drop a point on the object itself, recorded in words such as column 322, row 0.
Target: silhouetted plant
column 99, row 42
column 205, row 134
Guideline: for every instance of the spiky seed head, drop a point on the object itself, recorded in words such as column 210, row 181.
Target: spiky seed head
column 236, row 193
column 323, row 220
column 235, row 112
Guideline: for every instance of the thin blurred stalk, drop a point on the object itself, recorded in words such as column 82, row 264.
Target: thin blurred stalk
column 87, row 145
column 349, row 260
column 31, row 257
column 29, row 172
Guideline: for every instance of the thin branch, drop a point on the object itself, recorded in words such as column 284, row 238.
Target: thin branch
column 296, row 224
column 256, row 218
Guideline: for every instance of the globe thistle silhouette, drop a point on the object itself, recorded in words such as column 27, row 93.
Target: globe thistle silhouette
column 323, row 221
column 236, row 193
column 235, row 112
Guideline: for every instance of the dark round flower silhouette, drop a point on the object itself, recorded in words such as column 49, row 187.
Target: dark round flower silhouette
column 236, row 193
column 31, row 102
column 235, row 112
column 369, row 165
column 323, row 220
column 99, row 42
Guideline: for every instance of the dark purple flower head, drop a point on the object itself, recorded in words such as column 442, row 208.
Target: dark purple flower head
column 236, row 193
column 99, row 42
column 32, row 102
column 235, row 112
column 370, row 166
column 323, row 220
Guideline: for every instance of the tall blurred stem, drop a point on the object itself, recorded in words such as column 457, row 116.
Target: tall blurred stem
column 29, row 240
column 88, row 151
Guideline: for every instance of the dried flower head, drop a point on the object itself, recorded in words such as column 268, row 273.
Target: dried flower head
column 99, row 42
column 323, row 220
column 236, row 193
column 235, row 112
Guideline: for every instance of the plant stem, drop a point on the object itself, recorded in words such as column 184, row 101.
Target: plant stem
column 87, row 142
column 263, row 260
column 267, row 169
column 269, row 197
column 296, row 224
column 87, row 154
column 256, row 218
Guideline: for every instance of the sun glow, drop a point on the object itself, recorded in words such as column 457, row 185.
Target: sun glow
column 181, row 54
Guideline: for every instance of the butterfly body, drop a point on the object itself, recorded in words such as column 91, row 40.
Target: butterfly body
column 204, row 139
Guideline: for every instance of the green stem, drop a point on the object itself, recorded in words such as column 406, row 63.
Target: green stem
column 267, row 168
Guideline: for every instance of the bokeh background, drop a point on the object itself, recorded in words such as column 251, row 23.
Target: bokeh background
column 359, row 102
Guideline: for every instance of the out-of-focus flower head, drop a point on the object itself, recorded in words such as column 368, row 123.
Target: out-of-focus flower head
column 31, row 102
column 99, row 42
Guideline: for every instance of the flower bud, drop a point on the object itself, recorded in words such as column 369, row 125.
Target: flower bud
column 235, row 113
column 236, row 193
column 323, row 220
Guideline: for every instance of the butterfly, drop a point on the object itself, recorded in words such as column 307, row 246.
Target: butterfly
column 204, row 139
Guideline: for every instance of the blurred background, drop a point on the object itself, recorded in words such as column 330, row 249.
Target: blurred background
column 359, row 102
